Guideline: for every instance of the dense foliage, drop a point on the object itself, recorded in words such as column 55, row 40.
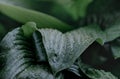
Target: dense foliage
column 59, row 39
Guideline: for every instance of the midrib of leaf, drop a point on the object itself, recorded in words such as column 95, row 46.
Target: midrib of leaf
column 25, row 15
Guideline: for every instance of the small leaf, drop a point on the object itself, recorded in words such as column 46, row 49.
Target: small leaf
column 29, row 28
column 100, row 41
column 77, row 8
column 25, row 15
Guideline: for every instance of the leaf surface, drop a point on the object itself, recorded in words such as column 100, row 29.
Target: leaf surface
column 95, row 73
column 63, row 49
column 99, row 74
column 25, row 15
column 18, row 58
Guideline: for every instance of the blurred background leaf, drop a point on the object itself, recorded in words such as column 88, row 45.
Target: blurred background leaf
column 42, row 20
column 52, row 7
column 77, row 8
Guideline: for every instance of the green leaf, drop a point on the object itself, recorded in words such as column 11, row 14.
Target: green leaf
column 63, row 49
column 115, row 47
column 100, row 41
column 60, row 47
column 25, row 15
column 109, row 34
column 116, row 51
column 37, row 72
column 17, row 2
column 12, row 58
column 114, row 67
column 39, row 5
column 112, row 33
column 18, row 58
column 95, row 73
column 77, row 8
column 99, row 74
column 29, row 28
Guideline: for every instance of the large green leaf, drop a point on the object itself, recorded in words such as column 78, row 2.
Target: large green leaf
column 77, row 8
column 24, row 15
column 45, row 6
column 19, row 58
column 63, row 49
column 39, row 5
